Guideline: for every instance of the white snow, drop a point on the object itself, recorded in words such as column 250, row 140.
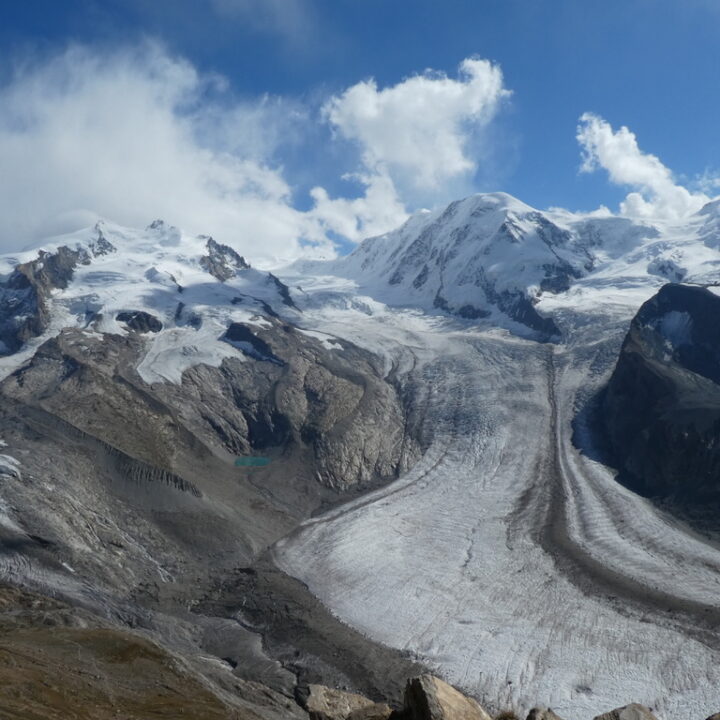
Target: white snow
column 9, row 466
column 158, row 271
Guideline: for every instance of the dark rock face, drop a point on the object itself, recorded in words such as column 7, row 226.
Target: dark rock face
column 542, row 713
column 222, row 262
column 628, row 712
column 23, row 296
column 661, row 409
column 242, row 337
column 140, row 321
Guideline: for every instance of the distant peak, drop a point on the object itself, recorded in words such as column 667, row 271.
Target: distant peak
column 711, row 208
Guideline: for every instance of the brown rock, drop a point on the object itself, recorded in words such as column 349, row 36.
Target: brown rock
column 324, row 703
column 629, row 712
column 542, row 713
column 429, row 698
column 376, row 711
column 716, row 716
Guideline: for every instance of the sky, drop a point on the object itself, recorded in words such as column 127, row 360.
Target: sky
column 293, row 128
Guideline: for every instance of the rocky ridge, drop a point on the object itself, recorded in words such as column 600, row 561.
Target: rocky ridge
column 661, row 408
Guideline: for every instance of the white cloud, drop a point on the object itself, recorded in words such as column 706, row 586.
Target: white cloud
column 656, row 194
column 135, row 134
column 374, row 213
column 131, row 136
column 418, row 132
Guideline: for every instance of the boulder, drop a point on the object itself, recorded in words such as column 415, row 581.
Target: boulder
column 629, row 712
column 429, row 698
column 376, row 711
column 324, row 703
column 542, row 713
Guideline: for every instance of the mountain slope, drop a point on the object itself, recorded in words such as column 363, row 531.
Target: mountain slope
column 661, row 410
column 163, row 422
column 494, row 260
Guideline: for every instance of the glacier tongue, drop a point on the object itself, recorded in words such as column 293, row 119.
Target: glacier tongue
column 507, row 560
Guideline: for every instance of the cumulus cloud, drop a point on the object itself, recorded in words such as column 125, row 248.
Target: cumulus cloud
column 131, row 135
column 418, row 132
column 657, row 194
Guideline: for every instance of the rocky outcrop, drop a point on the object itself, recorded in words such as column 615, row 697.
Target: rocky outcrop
column 324, row 703
column 542, row 713
column 140, row 321
column 24, row 311
column 221, row 261
column 376, row 711
column 661, row 408
column 429, row 698
column 628, row 712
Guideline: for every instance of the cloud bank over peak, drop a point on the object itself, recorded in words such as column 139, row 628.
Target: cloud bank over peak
column 134, row 133
column 657, row 194
column 419, row 141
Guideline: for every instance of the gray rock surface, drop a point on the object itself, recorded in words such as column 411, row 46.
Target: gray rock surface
column 429, row 698
column 542, row 713
column 628, row 712
column 324, row 703
column 661, row 409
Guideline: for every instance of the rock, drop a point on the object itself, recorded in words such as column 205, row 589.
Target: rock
column 24, row 295
column 222, row 262
column 140, row 321
column 629, row 712
column 542, row 713
column 661, row 409
column 716, row 716
column 324, row 703
column 429, row 698
column 376, row 711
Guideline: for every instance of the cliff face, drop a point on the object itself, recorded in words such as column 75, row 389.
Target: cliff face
column 661, row 410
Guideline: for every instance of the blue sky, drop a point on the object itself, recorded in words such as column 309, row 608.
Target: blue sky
column 650, row 65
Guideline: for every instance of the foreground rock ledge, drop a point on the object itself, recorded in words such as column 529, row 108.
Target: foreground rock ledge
column 429, row 698
column 629, row 712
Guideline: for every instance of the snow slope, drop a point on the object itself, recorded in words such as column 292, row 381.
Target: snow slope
column 159, row 271
column 495, row 260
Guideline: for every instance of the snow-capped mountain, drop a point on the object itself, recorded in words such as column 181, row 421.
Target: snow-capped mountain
column 425, row 466
column 183, row 291
column 491, row 256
